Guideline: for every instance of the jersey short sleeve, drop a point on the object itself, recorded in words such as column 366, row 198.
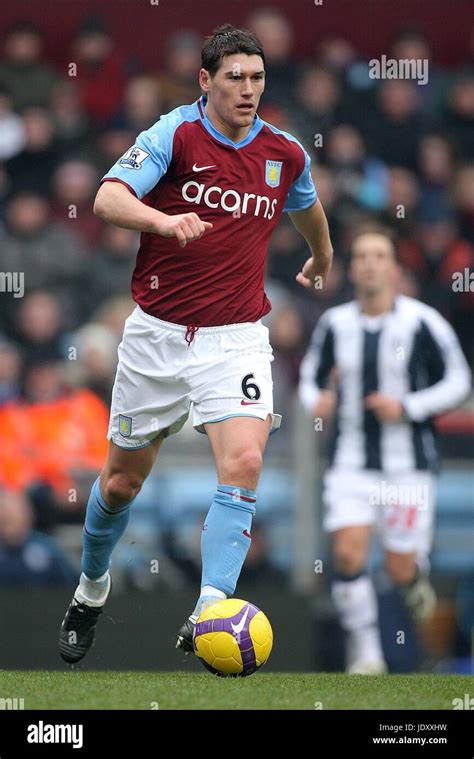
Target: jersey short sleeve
column 302, row 193
column 143, row 165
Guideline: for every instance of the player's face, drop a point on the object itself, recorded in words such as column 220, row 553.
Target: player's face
column 373, row 265
column 235, row 89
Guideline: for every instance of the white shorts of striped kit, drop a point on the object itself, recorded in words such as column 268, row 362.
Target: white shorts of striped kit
column 400, row 505
column 165, row 369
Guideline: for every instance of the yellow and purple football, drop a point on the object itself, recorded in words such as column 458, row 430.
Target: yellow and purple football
column 233, row 638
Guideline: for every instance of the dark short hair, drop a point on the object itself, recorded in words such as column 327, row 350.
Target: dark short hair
column 24, row 27
column 374, row 228
column 228, row 40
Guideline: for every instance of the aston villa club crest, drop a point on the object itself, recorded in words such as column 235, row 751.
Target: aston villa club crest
column 273, row 173
column 125, row 425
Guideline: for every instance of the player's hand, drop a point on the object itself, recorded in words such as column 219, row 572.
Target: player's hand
column 325, row 405
column 310, row 276
column 385, row 408
column 186, row 227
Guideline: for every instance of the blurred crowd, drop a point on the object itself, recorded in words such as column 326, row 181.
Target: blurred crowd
column 388, row 148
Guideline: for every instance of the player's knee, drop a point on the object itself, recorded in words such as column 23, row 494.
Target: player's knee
column 348, row 560
column 120, row 488
column 245, row 465
column 400, row 568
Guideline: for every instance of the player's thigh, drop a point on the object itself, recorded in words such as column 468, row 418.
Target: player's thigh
column 238, row 444
column 350, row 547
column 147, row 396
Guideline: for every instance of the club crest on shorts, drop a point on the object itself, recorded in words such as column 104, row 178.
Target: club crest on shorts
column 125, row 425
column 273, row 173
column 133, row 158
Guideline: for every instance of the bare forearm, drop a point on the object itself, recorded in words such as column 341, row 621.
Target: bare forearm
column 313, row 225
column 117, row 205
column 319, row 241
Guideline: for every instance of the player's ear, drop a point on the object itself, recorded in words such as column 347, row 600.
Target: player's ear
column 204, row 78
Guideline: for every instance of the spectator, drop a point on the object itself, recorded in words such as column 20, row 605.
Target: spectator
column 318, row 104
column 403, row 195
column 437, row 255
column 33, row 167
column 336, row 53
column 113, row 313
column 458, row 117
column 48, row 255
column 287, row 254
column 114, row 260
column 75, row 184
column 394, row 128
column 287, row 339
column 411, row 43
column 142, row 105
column 72, row 127
column 436, row 168
column 360, row 178
column 39, row 326
column 54, row 435
column 96, row 362
column 29, row 81
column 10, row 371
column 276, row 35
column 11, row 128
column 28, row 558
column 464, row 201
column 101, row 69
column 112, row 143
column 329, row 196
column 179, row 82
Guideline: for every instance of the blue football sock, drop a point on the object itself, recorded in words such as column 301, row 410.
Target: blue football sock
column 226, row 537
column 103, row 529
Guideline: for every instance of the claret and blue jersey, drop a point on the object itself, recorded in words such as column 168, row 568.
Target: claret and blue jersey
column 183, row 164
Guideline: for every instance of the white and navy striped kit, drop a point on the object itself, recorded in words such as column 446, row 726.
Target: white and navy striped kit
column 410, row 353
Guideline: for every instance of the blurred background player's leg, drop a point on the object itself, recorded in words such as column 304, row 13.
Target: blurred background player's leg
column 410, row 574
column 355, row 599
column 407, row 533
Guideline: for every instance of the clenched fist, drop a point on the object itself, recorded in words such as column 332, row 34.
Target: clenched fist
column 186, row 227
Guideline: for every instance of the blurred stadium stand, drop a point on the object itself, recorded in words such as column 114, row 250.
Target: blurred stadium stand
column 385, row 144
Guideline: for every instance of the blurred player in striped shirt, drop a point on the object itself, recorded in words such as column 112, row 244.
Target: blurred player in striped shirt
column 385, row 365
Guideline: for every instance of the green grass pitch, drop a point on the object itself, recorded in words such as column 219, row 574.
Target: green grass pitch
column 178, row 690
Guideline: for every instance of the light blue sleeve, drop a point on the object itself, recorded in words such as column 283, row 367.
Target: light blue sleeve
column 302, row 193
column 143, row 165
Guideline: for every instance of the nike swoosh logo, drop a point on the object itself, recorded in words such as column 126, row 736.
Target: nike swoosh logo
column 238, row 628
column 203, row 168
column 248, row 403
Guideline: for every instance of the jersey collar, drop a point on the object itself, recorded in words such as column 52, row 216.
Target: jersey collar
column 255, row 129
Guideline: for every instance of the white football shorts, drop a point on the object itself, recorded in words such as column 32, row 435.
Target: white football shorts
column 162, row 370
column 400, row 506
